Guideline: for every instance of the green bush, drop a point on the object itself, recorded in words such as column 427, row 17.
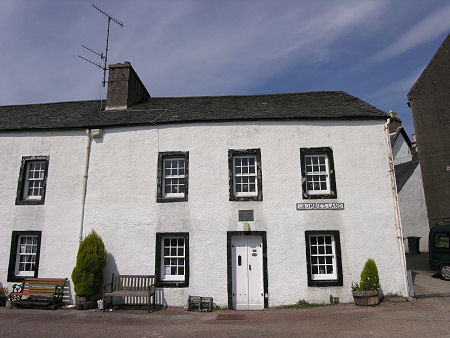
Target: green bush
column 87, row 276
column 369, row 276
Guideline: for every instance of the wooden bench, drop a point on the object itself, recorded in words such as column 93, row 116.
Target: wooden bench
column 130, row 286
column 40, row 292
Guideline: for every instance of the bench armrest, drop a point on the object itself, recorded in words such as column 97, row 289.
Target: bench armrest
column 17, row 287
column 59, row 289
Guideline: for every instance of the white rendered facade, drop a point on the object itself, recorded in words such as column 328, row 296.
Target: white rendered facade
column 121, row 203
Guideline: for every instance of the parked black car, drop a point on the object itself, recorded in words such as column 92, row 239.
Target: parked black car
column 439, row 244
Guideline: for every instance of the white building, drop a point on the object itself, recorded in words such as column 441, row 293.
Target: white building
column 256, row 201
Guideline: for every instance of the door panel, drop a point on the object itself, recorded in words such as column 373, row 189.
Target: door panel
column 247, row 272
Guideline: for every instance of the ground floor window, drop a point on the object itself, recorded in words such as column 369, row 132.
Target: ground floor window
column 172, row 259
column 323, row 255
column 24, row 255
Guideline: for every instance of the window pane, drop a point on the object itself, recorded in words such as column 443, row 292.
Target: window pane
column 181, row 270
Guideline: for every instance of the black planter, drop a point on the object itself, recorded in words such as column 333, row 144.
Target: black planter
column 2, row 301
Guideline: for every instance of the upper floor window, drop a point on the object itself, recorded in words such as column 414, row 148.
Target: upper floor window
column 173, row 176
column 245, row 175
column 32, row 180
column 318, row 178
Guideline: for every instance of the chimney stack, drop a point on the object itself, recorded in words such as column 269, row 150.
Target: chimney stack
column 125, row 89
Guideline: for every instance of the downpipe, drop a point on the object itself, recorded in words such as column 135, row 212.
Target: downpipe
column 85, row 178
column 396, row 209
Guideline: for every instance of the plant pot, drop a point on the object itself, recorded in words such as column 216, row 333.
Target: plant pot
column 86, row 302
column 2, row 301
column 367, row 298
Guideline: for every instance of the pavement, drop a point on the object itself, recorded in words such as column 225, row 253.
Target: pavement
column 427, row 315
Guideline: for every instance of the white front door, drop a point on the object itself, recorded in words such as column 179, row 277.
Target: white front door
column 247, row 272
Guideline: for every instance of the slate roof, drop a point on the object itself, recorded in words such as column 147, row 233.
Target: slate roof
column 403, row 172
column 83, row 114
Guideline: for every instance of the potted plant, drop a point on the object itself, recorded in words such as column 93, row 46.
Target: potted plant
column 367, row 292
column 3, row 296
column 87, row 276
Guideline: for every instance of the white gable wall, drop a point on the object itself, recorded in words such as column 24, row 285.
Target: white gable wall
column 121, row 203
column 413, row 211
column 400, row 150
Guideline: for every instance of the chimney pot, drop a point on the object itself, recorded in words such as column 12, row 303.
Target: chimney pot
column 126, row 63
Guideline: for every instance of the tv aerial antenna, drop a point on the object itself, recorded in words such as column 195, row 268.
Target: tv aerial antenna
column 103, row 56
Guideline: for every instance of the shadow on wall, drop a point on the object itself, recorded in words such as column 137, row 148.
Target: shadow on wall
column 159, row 298
column 110, row 268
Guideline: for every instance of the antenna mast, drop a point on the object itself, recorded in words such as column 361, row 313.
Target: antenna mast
column 101, row 55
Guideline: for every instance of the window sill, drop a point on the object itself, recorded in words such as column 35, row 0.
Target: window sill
column 318, row 196
column 173, row 284
column 172, row 199
column 246, row 198
column 29, row 202
column 324, row 283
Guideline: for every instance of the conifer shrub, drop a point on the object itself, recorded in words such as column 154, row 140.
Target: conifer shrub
column 87, row 276
column 369, row 276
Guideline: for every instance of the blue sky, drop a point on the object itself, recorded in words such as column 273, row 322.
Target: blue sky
column 374, row 50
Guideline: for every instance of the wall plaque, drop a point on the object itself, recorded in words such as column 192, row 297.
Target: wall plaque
column 320, row 206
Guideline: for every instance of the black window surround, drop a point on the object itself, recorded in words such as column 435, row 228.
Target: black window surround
column 13, row 254
column 160, row 184
column 324, row 283
column 332, row 177
column 20, row 196
column 243, row 152
column 158, row 263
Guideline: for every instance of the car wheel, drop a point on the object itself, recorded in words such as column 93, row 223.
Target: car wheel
column 445, row 271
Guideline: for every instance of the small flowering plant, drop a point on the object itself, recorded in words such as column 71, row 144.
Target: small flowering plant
column 369, row 278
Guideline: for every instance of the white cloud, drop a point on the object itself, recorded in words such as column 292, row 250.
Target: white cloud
column 425, row 30
column 232, row 45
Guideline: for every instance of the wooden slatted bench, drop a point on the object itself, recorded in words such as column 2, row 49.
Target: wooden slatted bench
column 130, row 286
column 42, row 292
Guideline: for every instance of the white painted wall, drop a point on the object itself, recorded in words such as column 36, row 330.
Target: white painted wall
column 59, row 217
column 413, row 211
column 121, row 202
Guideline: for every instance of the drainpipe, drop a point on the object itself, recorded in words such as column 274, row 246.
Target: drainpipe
column 85, row 177
column 397, row 212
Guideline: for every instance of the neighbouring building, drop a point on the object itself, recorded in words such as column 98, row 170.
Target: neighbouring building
column 411, row 198
column 256, row 201
column 429, row 100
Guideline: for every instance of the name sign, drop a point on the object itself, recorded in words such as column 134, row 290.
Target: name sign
column 320, row 206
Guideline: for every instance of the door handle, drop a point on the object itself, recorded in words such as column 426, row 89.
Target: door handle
column 250, row 267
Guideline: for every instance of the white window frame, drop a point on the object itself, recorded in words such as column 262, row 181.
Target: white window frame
column 20, row 254
column 169, row 277
column 40, row 181
column 248, row 174
column 323, row 276
column 325, row 173
column 167, row 177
